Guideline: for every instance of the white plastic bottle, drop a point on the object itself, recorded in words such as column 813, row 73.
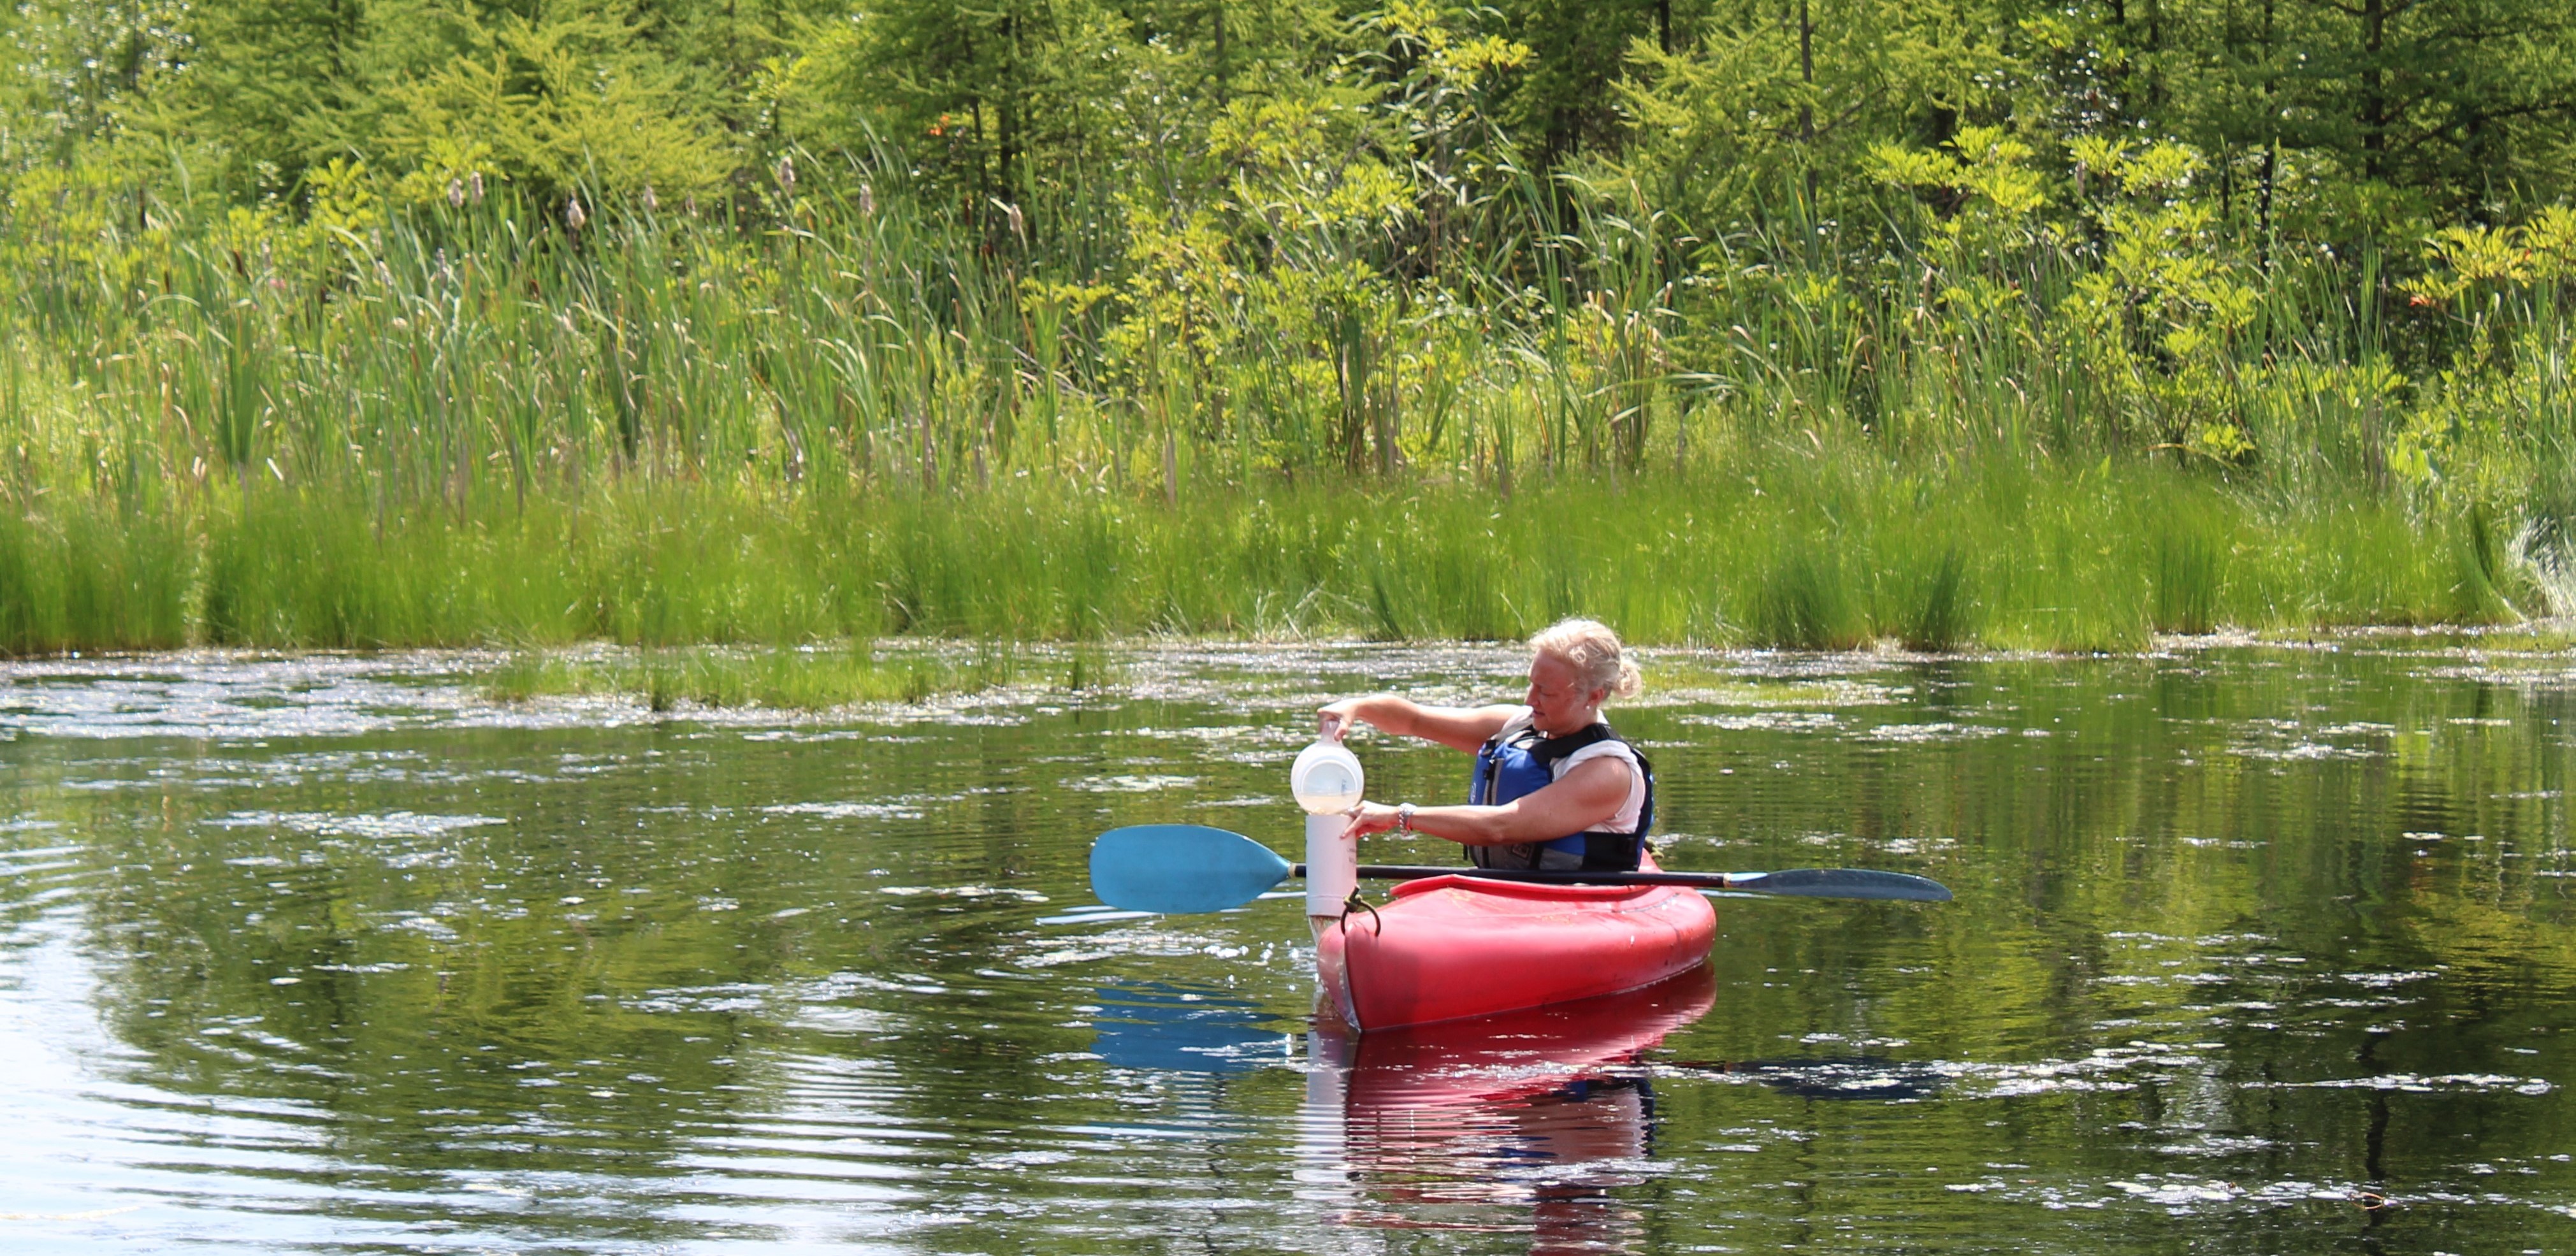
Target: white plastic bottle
column 1326, row 779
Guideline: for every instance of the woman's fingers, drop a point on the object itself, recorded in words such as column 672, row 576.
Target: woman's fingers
column 1367, row 818
column 1334, row 719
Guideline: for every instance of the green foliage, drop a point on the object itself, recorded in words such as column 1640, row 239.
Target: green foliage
column 559, row 101
column 377, row 282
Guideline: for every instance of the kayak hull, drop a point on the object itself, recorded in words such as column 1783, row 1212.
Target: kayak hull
column 1452, row 947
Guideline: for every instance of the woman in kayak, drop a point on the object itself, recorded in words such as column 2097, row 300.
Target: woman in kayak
column 1554, row 788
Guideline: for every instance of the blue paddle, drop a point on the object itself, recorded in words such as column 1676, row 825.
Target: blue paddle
column 1178, row 868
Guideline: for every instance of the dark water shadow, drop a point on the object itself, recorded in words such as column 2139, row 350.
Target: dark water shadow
column 1846, row 1077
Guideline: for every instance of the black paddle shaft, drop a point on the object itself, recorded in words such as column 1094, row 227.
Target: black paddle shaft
column 1804, row 882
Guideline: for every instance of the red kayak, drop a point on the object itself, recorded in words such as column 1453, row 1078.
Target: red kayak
column 1450, row 947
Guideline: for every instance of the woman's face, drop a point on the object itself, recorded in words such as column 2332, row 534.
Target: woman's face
column 1558, row 702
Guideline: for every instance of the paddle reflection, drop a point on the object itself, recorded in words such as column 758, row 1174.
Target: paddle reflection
column 1176, row 1028
column 1523, row 1122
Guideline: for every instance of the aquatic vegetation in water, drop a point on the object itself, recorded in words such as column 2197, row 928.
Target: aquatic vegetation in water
column 812, row 679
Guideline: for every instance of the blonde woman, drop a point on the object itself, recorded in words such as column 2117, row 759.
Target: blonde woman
column 1554, row 787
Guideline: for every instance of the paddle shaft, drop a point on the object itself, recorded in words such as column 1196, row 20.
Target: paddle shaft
column 1415, row 872
column 1410, row 872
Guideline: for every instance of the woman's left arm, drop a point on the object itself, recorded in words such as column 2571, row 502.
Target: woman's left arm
column 1583, row 799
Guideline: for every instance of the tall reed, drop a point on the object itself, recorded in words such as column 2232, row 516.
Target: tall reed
column 836, row 337
column 842, row 413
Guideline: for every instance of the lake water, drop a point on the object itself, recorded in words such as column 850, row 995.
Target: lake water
column 2255, row 950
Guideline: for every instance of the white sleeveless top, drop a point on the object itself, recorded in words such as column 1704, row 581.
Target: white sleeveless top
column 1623, row 820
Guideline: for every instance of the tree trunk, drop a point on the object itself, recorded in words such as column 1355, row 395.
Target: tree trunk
column 1009, row 115
column 1807, row 105
column 2374, row 98
column 2272, row 145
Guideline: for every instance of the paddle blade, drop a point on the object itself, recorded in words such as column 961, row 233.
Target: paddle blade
column 1841, row 883
column 1181, row 868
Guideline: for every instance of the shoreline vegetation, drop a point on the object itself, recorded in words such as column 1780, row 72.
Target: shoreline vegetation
column 1812, row 556
column 1404, row 324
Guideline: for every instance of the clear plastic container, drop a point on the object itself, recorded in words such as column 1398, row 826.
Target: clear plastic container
column 1326, row 779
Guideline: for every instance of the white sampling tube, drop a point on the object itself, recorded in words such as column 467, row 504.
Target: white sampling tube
column 1332, row 865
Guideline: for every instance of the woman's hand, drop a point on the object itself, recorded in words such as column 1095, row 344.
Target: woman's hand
column 1370, row 817
column 1334, row 719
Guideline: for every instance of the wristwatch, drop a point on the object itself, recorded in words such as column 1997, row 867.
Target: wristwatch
column 1404, row 816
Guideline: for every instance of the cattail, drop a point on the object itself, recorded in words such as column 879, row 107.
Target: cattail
column 574, row 216
column 786, row 173
column 867, row 200
column 474, row 186
column 651, row 202
column 456, row 194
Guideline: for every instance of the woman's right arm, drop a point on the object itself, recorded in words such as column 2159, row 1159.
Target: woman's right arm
column 1459, row 728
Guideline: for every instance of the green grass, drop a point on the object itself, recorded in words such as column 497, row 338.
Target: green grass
column 2187, row 582
column 1803, row 601
column 2001, row 555
column 1942, row 614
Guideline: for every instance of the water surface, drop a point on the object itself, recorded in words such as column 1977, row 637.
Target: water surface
column 2255, row 949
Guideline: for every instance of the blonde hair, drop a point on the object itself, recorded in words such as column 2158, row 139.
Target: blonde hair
column 1595, row 652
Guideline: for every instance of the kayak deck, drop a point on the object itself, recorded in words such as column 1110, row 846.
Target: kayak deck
column 1450, row 947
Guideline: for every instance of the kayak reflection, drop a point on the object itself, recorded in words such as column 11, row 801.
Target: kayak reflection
column 1519, row 1122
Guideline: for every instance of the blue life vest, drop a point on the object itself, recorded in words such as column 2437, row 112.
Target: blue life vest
column 1524, row 764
